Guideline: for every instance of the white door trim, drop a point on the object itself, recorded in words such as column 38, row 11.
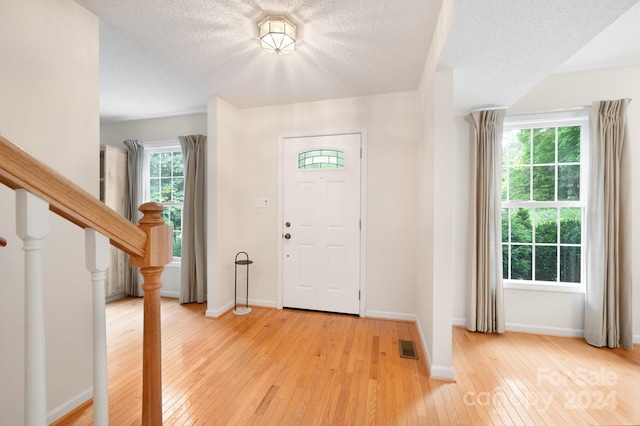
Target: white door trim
column 363, row 207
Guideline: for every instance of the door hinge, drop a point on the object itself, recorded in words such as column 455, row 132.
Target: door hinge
column 358, row 294
column 360, row 152
column 360, row 224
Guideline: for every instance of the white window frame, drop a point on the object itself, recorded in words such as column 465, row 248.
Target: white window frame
column 554, row 119
column 152, row 148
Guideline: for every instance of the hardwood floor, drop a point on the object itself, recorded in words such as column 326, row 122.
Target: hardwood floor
column 294, row 367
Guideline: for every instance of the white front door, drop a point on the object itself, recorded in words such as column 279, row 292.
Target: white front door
column 321, row 229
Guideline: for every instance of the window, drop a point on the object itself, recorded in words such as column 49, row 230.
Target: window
column 542, row 200
column 321, row 159
column 164, row 184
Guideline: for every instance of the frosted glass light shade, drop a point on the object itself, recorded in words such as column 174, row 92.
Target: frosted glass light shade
column 277, row 34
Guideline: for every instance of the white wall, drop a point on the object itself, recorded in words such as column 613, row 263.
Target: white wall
column 559, row 313
column 49, row 106
column 434, row 161
column 463, row 217
column 221, row 194
column 156, row 130
column 247, row 167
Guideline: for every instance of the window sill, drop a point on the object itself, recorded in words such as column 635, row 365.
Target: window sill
column 175, row 263
column 556, row 288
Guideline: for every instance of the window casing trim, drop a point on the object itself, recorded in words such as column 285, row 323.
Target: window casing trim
column 151, row 148
column 553, row 119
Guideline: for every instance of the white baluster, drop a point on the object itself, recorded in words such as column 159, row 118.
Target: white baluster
column 32, row 225
column 98, row 258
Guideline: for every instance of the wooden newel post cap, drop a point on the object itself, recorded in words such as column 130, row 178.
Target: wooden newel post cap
column 159, row 246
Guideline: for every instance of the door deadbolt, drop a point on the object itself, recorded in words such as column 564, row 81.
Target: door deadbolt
column 288, row 224
column 287, row 236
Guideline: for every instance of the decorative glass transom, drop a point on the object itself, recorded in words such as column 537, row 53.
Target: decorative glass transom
column 321, row 159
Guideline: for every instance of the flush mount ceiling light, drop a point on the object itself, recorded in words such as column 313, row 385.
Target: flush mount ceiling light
column 277, row 34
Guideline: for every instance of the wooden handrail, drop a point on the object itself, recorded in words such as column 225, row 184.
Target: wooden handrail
column 18, row 170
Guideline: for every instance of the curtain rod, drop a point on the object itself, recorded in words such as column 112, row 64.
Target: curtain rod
column 559, row 110
column 551, row 111
column 488, row 108
column 491, row 108
column 505, row 107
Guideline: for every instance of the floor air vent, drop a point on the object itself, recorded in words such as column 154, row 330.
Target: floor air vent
column 408, row 349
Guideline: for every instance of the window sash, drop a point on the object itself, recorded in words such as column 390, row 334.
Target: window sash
column 559, row 244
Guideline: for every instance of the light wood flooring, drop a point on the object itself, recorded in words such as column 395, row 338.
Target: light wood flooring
column 287, row 367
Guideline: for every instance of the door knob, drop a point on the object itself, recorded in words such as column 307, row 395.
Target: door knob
column 287, row 236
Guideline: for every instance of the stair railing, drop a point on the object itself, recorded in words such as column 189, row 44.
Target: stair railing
column 39, row 189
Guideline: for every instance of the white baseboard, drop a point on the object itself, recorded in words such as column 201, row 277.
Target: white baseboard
column 391, row 315
column 441, row 372
column 425, row 349
column 528, row 328
column 462, row 322
column 535, row 329
column 68, row 406
column 215, row 313
column 435, row 371
column 539, row 329
column 262, row 303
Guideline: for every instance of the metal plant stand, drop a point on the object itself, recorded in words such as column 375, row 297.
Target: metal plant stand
column 246, row 309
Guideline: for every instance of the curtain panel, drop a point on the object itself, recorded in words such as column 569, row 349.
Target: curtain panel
column 193, row 285
column 135, row 166
column 485, row 311
column 608, row 301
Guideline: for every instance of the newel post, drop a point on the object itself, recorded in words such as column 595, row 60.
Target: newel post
column 158, row 252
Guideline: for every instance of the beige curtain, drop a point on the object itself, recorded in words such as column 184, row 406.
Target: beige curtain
column 135, row 159
column 608, row 228
column 485, row 311
column 193, row 284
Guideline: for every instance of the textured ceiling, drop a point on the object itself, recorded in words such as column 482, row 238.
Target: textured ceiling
column 161, row 57
column 500, row 49
column 617, row 46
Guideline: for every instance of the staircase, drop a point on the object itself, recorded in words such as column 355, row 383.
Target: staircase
column 40, row 190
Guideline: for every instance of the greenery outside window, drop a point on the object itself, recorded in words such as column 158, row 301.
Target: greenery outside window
column 543, row 201
column 164, row 184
